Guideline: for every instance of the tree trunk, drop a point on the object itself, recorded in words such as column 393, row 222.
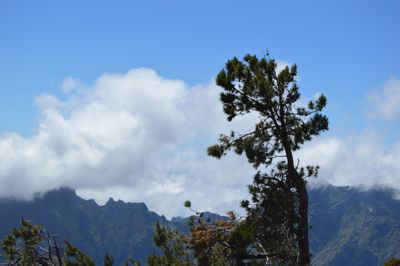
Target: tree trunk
column 302, row 197
column 304, row 252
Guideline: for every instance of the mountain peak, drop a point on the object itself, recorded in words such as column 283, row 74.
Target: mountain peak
column 62, row 193
column 110, row 201
column 120, row 204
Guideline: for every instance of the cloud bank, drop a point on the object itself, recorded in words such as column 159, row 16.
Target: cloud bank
column 140, row 137
column 136, row 137
column 363, row 160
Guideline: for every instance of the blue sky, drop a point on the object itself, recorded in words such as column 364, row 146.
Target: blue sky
column 346, row 49
column 342, row 48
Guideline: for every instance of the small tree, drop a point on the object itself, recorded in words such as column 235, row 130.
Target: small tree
column 31, row 245
column 253, row 85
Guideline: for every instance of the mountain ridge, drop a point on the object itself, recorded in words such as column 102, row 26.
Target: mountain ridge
column 350, row 226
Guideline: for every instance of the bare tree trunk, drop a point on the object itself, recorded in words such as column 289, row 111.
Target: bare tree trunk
column 304, row 252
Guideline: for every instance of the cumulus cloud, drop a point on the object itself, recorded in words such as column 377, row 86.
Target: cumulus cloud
column 133, row 136
column 385, row 102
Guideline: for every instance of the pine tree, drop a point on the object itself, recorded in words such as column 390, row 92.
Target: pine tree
column 253, row 85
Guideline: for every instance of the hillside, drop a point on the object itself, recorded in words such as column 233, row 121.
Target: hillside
column 354, row 227
column 350, row 227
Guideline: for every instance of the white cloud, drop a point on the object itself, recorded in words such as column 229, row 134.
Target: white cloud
column 362, row 160
column 385, row 102
column 135, row 137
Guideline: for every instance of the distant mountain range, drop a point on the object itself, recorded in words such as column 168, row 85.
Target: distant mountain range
column 349, row 226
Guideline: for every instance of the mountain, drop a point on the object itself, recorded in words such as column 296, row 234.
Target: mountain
column 349, row 226
column 117, row 228
column 354, row 227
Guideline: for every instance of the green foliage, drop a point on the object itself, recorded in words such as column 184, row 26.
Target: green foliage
column 75, row 257
column 175, row 250
column 108, row 261
column 392, row 262
column 131, row 262
column 187, row 204
column 270, row 215
column 20, row 247
column 210, row 242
